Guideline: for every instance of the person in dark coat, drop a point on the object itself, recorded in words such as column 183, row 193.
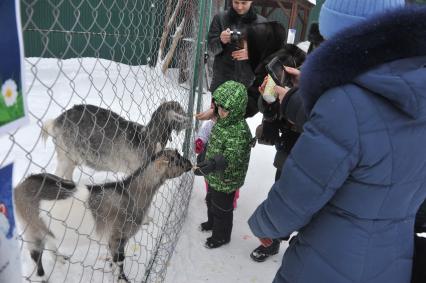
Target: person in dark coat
column 356, row 177
column 225, row 41
column 276, row 131
column 262, row 40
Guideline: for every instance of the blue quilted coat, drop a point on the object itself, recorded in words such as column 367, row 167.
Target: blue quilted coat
column 355, row 179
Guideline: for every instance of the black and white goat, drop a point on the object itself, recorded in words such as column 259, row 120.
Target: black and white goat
column 101, row 139
column 117, row 208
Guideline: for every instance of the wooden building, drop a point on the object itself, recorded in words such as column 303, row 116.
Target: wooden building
column 296, row 12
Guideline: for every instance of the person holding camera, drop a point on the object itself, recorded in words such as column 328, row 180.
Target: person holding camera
column 226, row 39
column 355, row 178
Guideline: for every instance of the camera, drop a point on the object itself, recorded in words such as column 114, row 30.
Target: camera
column 237, row 40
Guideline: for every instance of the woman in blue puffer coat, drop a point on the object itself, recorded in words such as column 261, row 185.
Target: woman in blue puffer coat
column 357, row 175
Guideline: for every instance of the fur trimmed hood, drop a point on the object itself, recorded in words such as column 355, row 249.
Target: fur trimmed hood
column 376, row 55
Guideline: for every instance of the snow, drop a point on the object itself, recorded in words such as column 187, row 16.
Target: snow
column 54, row 85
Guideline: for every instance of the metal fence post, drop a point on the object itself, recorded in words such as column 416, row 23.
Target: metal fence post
column 195, row 78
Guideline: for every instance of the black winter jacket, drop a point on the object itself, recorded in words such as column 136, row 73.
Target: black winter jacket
column 225, row 67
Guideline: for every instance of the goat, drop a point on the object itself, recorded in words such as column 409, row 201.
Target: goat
column 101, row 139
column 117, row 208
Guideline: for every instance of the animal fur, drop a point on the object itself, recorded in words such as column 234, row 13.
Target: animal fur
column 101, row 139
column 117, row 208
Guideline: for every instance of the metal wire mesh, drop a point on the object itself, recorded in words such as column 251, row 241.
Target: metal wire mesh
column 128, row 57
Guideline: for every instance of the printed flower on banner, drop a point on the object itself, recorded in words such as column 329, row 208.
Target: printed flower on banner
column 9, row 91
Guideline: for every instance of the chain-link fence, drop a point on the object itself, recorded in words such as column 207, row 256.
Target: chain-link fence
column 126, row 59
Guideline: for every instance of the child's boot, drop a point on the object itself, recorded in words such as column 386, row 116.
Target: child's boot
column 206, row 226
column 212, row 243
column 261, row 253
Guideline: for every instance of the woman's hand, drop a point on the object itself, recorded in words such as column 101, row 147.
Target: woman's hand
column 295, row 74
column 281, row 92
column 206, row 115
column 225, row 36
column 262, row 86
column 241, row 54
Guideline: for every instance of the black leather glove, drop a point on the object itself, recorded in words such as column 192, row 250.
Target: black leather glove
column 216, row 164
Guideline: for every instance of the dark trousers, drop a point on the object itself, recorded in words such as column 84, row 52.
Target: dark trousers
column 220, row 213
column 277, row 177
column 419, row 257
column 419, row 260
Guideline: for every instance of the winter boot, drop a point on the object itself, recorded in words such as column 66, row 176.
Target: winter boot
column 212, row 243
column 206, row 226
column 261, row 253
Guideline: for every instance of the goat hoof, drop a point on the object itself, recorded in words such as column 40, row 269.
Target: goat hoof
column 40, row 273
column 63, row 258
column 122, row 278
column 147, row 220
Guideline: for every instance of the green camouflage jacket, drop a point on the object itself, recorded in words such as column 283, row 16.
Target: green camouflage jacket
column 230, row 137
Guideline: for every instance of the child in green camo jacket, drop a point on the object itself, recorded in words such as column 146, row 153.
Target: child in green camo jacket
column 227, row 159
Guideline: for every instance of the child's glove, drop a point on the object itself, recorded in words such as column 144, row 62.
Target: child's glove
column 218, row 163
column 199, row 146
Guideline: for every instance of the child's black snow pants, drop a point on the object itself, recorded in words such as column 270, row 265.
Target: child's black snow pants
column 220, row 213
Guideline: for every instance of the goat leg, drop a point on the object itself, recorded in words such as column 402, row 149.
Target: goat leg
column 117, row 249
column 36, row 255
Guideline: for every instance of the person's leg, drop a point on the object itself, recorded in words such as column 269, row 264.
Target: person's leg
column 419, row 257
column 208, row 225
column 277, row 174
column 421, row 219
column 236, row 197
column 207, row 185
column 419, row 260
column 222, row 210
column 261, row 253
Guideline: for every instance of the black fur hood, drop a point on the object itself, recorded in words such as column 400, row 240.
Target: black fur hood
column 364, row 53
